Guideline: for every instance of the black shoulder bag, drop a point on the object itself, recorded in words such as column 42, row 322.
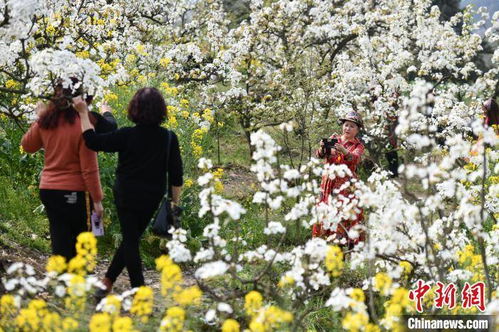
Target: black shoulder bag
column 166, row 217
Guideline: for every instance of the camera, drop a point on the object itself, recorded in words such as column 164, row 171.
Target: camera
column 328, row 145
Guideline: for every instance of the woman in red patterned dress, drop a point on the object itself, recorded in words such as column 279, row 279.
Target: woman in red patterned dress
column 347, row 151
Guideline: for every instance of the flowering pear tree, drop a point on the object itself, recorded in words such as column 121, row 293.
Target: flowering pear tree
column 295, row 65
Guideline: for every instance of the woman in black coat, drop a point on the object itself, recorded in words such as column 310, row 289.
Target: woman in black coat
column 140, row 176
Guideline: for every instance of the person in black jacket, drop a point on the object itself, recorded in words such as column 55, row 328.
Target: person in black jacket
column 140, row 176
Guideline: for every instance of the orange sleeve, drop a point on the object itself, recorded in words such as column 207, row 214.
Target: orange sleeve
column 32, row 140
column 90, row 171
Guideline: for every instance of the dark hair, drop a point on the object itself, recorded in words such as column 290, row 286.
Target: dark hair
column 61, row 105
column 147, row 107
column 491, row 112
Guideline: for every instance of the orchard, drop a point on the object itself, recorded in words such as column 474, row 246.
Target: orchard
column 251, row 87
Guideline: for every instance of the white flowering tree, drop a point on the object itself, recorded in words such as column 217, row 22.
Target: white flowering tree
column 306, row 61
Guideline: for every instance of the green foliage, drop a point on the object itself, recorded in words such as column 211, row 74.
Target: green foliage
column 22, row 221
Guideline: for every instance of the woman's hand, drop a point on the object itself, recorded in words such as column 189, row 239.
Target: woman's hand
column 40, row 108
column 80, row 105
column 105, row 108
column 340, row 148
column 321, row 153
column 99, row 209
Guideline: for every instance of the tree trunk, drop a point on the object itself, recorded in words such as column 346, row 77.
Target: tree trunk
column 247, row 133
column 2, row 273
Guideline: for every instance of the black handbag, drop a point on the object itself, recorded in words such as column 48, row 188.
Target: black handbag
column 166, row 216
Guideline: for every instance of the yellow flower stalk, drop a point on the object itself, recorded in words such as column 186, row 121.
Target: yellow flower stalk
column 123, row 324
column 358, row 295
column 334, row 260
column 382, row 283
column 142, row 304
column 171, row 278
column 164, row 62
column 252, row 302
column 188, row 296
column 56, row 264
column 100, row 322
column 406, row 266
column 163, row 262
column 230, row 325
column 355, row 321
column 173, row 320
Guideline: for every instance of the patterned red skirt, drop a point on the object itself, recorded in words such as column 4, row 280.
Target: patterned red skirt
column 344, row 225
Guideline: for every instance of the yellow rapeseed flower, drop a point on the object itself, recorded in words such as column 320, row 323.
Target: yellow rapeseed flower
column 141, row 49
column 172, row 121
column 130, row 58
column 142, row 79
column 142, row 303
column 31, row 317
column 357, row 294
column 69, row 324
column 171, row 278
column 28, row 320
column 8, row 309
column 197, row 135
column 100, row 322
column 112, row 305
column 219, row 187
column 256, row 326
column 11, row 84
column 372, row 328
column 77, row 286
column 197, row 150
column 86, row 243
column 171, row 109
column 286, row 281
column 38, row 305
column 355, row 322
column 253, row 302
column 188, row 183
column 174, row 320
column 164, row 85
column 56, row 264
column 274, row 317
column 83, row 54
column 50, row 30
column 123, row 324
column 162, row 262
column 401, row 296
column 110, row 97
column 188, row 296
column 164, row 62
column 230, row 325
column 334, row 260
column 406, row 266
column 77, row 265
column 218, row 173
column 382, row 283
column 51, row 322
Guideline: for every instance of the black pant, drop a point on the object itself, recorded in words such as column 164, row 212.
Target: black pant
column 133, row 222
column 67, row 213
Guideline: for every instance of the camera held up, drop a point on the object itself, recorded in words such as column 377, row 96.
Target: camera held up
column 328, row 144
